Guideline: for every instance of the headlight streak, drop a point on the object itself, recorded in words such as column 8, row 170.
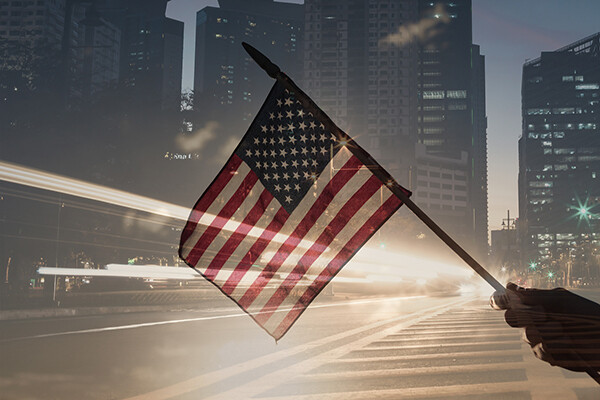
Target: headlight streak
column 94, row 233
column 44, row 180
column 134, row 271
column 80, row 206
column 110, row 246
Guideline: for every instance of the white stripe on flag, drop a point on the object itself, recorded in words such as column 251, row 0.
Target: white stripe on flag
column 248, row 241
column 359, row 219
column 230, row 226
column 210, row 216
column 309, row 199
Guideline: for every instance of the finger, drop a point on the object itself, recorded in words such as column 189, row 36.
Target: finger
column 531, row 336
column 499, row 300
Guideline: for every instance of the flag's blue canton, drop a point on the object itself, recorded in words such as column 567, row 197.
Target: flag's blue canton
column 287, row 147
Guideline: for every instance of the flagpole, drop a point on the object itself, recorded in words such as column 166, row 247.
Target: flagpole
column 274, row 72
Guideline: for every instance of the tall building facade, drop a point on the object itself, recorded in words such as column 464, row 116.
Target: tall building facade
column 96, row 44
column 151, row 55
column 452, row 121
column 362, row 78
column 80, row 49
column 404, row 79
column 228, row 84
column 559, row 153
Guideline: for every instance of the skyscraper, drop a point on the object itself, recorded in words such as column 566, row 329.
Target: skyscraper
column 78, row 51
column 362, row 78
column 452, row 122
column 151, row 51
column 559, row 152
column 404, row 78
column 228, row 85
column 97, row 43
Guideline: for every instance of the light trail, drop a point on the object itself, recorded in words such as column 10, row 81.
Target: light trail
column 47, row 199
column 126, row 271
column 109, row 246
column 56, row 183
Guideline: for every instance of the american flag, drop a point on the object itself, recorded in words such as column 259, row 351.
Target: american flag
column 290, row 208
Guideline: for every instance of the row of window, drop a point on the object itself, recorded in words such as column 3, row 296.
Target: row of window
column 18, row 33
column 571, row 126
column 564, row 236
column 433, row 174
column 558, row 110
column 21, row 3
column 442, row 197
column 548, row 135
column 441, row 94
column 444, row 186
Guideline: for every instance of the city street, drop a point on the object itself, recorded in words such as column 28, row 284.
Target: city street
column 341, row 348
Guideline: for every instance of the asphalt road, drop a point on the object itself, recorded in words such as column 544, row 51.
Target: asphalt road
column 400, row 348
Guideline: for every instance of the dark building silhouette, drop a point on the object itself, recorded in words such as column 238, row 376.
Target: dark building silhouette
column 151, row 53
column 452, row 122
column 67, row 40
column 559, row 152
column 96, row 44
column 229, row 86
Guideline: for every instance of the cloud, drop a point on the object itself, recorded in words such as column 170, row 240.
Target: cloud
column 196, row 141
column 422, row 30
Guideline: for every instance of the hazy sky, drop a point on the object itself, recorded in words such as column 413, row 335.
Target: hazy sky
column 509, row 33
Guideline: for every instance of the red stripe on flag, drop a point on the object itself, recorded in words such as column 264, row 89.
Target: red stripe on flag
column 338, row 181
column 226, row 212
column 209, row 196
column 255, row 251
column 240, row 233
column 382, row 213
column 352, row 206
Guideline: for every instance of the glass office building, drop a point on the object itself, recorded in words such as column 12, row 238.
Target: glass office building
column 559, row 155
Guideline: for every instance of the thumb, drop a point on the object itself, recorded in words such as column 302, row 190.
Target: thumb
column 499, row 300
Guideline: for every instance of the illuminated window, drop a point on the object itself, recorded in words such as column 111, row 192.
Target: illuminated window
column 456, row 94
column 433, row 94
column 587, row 86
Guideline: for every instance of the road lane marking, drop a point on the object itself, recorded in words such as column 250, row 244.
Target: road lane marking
column 274, row 379
column 211, row 378
column 413, row 338
column 178, row 321
column 412, row 371
column 408, row 357
column 375, row 346
column 426, row 393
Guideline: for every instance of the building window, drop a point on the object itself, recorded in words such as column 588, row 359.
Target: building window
column 433, row 94
column 538, row 111
column 587, row 86
column 456, row 94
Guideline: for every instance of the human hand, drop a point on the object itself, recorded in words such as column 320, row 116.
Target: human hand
column 561, row 327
